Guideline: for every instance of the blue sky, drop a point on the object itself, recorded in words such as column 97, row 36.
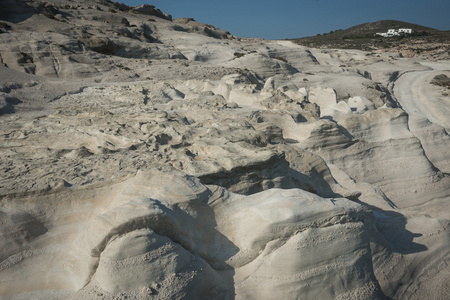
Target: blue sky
column 296, row 18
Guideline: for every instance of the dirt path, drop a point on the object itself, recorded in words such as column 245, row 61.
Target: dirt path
column 429, row 111
column 422, row 100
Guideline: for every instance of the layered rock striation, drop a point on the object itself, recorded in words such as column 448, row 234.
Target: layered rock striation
column 151, row 158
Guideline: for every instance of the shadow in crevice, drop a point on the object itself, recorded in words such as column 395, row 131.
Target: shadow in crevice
column 345, row 132
column 16, row 11
column 392, row 226
column 313, row 183
column 204, row 240
column 253, row 177
column 18, row 230
column 275, row 173
column 278, row 171
column 7, row 104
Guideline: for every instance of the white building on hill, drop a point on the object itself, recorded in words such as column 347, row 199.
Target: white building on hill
column 405, row 30
column 395, row 32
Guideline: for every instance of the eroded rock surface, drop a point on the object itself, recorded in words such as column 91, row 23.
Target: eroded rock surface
column 152, row 158
column 168, row 232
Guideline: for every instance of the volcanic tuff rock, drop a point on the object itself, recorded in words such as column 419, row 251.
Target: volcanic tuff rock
column 151, row 158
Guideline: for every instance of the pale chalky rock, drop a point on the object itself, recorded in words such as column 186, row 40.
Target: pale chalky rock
column 324, row 97
column 360, row 104
column 144, row 158
column 160, row 229
column 336, row 110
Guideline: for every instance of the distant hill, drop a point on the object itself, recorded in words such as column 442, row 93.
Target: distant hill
column 363, row 36
column 380, row 26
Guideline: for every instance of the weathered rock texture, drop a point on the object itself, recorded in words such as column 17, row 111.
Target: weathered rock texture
column 151, row 158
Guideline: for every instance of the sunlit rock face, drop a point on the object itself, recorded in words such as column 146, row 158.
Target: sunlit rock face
column 169, row 233
column 151, row 158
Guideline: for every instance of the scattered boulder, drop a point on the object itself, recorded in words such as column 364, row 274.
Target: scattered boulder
column 441, row 80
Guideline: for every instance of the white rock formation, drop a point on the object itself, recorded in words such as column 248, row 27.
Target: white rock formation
column 324, row 97
column 360, row 104
column 162, row 229
column 150, row 158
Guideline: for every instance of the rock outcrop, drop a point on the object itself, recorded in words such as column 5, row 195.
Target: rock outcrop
column 150, row 158
column 160, row 229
